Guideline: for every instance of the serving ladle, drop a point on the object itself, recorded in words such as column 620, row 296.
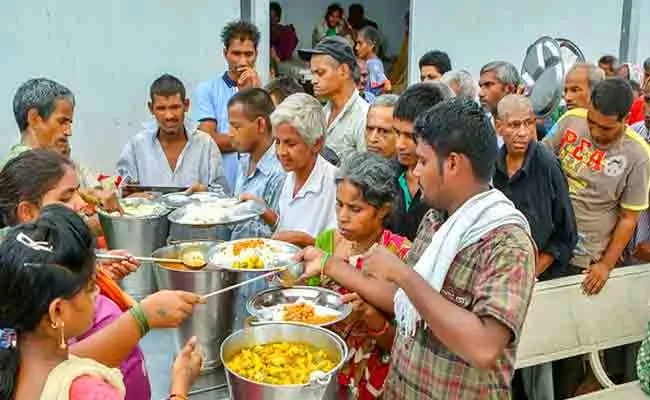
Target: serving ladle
column 192, row 259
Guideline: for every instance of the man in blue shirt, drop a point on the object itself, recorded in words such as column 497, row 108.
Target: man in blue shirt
column 240, row 40
column 260, row 176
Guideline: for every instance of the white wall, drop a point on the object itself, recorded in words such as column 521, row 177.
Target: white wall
column 108, row 53
column 475, row 32
column 304, row 14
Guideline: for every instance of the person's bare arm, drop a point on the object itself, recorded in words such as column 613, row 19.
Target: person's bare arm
column 209, row 126
column 545, row 261
column 477, row 340
column 378, row 292
column 598, row 273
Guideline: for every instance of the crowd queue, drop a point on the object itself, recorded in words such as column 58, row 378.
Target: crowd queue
column 433, row 212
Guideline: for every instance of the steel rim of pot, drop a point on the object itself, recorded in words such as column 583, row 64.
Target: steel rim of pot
column 342, row 346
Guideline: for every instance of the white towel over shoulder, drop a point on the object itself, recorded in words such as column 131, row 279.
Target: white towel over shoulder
column 474, row 219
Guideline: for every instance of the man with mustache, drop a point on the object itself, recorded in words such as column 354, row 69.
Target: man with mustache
column 172, row 152
column 531, row 177
column 240, row 40
column 44, row 112
column 333, row 66
column 579, row 82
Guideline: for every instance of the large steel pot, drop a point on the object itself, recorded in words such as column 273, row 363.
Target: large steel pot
column 244, row 389
column 210, row 322
column 140, row 236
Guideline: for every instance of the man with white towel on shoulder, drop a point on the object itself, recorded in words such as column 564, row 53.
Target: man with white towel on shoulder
column 460, row 309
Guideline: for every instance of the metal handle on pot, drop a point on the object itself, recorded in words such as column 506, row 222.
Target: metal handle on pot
column 322, row 381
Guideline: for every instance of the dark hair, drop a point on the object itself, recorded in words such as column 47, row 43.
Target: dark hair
column 240, row 30
column 461, row 126
column 283, row 87
column 438, row 59
column 356, row 7
column 332, row 8
column 608, row 60
column 256, row 102
column 30, row 279
column 372, row 35
column 41, row 94
column 373, row 175
column 166, row 86
column 417, row 99
column 275, row 6
column 646, row 64
column 28, row 177
column 636, row 86
column 613, row 97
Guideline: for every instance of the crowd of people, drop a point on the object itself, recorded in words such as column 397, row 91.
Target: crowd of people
column 433, row 212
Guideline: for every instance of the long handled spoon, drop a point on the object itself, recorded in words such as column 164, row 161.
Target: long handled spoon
column 189, row 259
column 246, row 282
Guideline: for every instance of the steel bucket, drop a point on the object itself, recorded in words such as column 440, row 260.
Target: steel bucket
column 140, row 236
column 210, row 322
column 244, row 389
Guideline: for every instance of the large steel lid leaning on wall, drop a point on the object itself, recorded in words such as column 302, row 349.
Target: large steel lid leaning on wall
column 543, row 74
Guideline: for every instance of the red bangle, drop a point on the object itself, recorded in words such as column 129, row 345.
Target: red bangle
column 380, row 332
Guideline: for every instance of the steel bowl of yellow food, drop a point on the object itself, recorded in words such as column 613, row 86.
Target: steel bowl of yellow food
column 283, row 361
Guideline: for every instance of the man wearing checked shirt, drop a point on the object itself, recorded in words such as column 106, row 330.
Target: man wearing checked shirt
column 240, row 41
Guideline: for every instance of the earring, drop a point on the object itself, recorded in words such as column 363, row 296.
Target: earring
column 61, row 327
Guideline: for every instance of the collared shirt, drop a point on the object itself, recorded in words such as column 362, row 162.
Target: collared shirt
column 407, row 210
column 540, row 191
column 492, row 278
column 313, row 209
column 265, row 182
column 211, row 103
column 602, row 180
column 346, row 134
column 15, row 151
column 87, row 178
column 143, row 160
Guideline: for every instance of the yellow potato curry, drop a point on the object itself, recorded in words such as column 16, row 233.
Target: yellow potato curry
column 283, row 363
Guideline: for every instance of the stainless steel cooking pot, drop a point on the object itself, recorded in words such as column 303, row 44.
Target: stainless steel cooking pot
column 140, row 236
column 244, row 389
column 210, row 322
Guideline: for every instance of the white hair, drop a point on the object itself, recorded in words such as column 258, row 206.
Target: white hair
column 304, row 113
column 385, row 100
column 594, row 73
column 512, row 103
column 467, row 87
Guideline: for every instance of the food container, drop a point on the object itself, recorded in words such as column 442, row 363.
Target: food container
column 139, row 235
column 210, row 322
column 184, row 225
column 265, row 304
column 245, row 389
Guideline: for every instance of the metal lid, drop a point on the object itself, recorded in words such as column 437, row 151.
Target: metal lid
column 543, row 74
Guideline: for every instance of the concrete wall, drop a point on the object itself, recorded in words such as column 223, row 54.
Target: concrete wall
column 108, row 53
column 474, row 32
column 304, row 14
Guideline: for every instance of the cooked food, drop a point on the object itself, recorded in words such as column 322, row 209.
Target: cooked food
column 204, row 213
column 283, row 363
column 238, row 247
column 137, row 210
column 306, row 313
column 193, row 259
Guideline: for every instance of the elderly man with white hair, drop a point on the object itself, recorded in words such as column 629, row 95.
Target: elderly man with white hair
column 531, row 177
column 307, row 202
column 461, row 83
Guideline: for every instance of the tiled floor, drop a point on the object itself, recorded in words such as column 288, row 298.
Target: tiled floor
column 158, row 347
